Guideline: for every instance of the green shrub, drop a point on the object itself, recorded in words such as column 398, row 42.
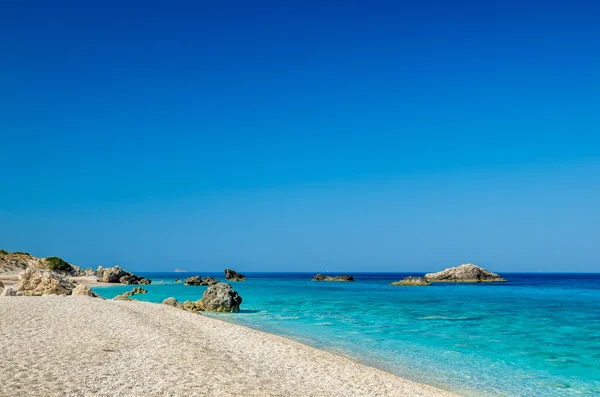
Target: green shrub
column 57, row 264
column 3, row 252
column 21, row 253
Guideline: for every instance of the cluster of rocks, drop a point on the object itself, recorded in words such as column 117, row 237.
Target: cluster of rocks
column 197, row 280
column 232, row 275
column 218, row 297
column 117, row 275
column 322, row 277
column 467, row 273
column 40, row 282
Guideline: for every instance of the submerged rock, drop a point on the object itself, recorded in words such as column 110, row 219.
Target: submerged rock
column 172, row 302
column 412, row 281
column 468, row 273
column 36, row 282
column 177, row 280
column 83, row 290
column 220, row 297
column 232, row 275
column 322, row 277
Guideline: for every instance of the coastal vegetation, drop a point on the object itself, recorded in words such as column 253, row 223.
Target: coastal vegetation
column 58, row 265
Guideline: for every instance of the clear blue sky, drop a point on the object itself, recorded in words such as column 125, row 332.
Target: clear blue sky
column 291, row 136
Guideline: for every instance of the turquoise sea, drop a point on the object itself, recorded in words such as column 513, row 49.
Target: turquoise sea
column 535, row 335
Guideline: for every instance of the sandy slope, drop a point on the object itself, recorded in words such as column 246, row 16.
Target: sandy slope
column 82, row 346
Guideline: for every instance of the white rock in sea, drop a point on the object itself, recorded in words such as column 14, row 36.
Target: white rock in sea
column 83, row 290
column 468, row 273
column 36, row 282
column 8, row 291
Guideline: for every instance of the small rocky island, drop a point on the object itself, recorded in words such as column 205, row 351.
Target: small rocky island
column 197, row 280
column 232, row 275
column 468, row 273
column 412, row 281
column 322, row 277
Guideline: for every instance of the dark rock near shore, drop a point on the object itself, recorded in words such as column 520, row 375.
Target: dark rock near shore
column 322, row 277
column 231, row 275
column 412, row 281
column 468, row 273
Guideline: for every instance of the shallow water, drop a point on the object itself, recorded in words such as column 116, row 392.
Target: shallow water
column 535, row 335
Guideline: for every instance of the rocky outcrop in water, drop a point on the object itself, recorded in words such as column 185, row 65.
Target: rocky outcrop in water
column 197, row 280
column 36, row 282
column 173, row 303
column 412, row 281
column 220, row 297
column 232, row 275
column 468, row 273
column 322, row 277
column 83, row 290
column 117, row 275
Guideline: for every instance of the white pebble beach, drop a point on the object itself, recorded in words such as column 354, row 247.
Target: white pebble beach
column 82, row 346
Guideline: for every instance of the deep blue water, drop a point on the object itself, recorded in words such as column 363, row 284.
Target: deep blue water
column 535, row 335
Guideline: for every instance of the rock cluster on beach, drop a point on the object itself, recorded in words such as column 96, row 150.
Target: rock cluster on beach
column 36, row 282
column 322, row 277
column 468, row 273
column 197, row 280
column 232, row 275
column 117, row 275
column 412, row 281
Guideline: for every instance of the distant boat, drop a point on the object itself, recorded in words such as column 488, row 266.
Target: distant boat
column 180, row 271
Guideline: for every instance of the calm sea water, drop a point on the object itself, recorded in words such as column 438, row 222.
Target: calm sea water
column 535, row 335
